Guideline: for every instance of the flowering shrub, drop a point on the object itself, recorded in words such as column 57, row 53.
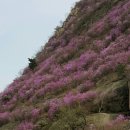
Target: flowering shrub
column 35, row 113
column 21, row 114
column 25, row 126
column 71, row 98
column 99, row 45
column 84, row 60
column 85, row 86
column 120, row 119
column 54, row 86
column 4, row 118
column 54, row 107
column 26, row 114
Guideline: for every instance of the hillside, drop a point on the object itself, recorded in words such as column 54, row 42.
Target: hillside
column 82, row 80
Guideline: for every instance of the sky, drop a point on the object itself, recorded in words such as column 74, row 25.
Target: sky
column 25, row 26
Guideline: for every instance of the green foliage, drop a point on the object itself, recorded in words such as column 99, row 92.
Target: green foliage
column 32, row 63
column 70, row 119
column 6, row 98
column 43, row 124
column 120, row 69
column 9, row 126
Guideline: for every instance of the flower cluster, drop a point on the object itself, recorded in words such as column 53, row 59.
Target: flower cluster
column 4, row 118
column 71, row 98
column 25, row 126
column 54, row 107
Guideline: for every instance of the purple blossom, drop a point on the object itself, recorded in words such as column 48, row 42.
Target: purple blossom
column 25, row 126
column 35, row 113
column 4, row 118
column 71, row 98
column 54, row 107
column 99, row 45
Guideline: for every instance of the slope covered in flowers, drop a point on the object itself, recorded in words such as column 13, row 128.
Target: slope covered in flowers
column 93, row 42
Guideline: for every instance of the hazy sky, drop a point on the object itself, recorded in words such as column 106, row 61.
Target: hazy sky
column 25, row 26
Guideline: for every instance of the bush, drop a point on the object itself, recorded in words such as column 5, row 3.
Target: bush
column 32, row 63
column 25, row 126
column 6, row 98
column 4, row 118
column 71, row 119
column 120, row 69
column 43, row 124
column 85, row 86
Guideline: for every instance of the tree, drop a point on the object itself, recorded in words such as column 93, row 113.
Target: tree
column 32, row 63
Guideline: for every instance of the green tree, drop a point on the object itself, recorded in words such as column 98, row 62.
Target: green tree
column 32, row 63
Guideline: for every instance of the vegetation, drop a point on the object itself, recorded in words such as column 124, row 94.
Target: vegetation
column 120, row 69
column 32, row 63
column 78, row 79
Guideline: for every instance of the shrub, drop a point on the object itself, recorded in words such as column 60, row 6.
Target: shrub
column 54, row 107
column 32, row 63
column 120, row 69
column 4, row 118
column 35, row 113
column 25, row 114
column 71, row 98
column 25, row 126
column 43, row 124
column 70, row 119
column 85, row 86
